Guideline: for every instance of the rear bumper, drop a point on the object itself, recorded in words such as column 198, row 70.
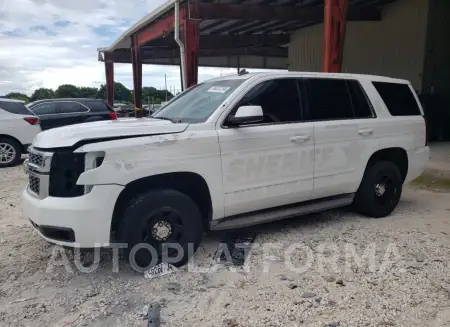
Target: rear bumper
column 83, row 221
column 417, row 162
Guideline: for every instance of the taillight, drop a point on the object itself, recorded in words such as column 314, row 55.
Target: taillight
column 113, row 115
column 426, row 130
column 32, row 120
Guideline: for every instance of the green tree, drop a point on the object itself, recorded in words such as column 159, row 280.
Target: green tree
column 67, row 91
column 152, row 95
column 88, row 92
column 42, row 93
column 18, row 96
column 121, row 93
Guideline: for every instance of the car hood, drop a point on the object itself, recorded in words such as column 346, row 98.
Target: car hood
column 70, row 135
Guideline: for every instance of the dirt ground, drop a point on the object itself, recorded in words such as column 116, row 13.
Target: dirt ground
column 437, row 175
column 323, row 280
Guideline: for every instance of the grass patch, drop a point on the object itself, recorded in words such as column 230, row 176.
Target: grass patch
column 431, row 179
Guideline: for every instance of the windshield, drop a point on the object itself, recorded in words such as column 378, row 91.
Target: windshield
column 199, row 102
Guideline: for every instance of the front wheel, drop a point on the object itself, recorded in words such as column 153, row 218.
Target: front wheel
column 10, row 152
column 161, row 226
column 380, row 190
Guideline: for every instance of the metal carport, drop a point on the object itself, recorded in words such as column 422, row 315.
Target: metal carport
column 232, row 33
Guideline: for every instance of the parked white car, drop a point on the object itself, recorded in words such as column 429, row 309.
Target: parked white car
column 231, row 152
column 18, row 127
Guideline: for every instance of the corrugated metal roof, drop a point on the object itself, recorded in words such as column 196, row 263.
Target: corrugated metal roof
column 154, row 52
column 234, row 26
column 124, row 40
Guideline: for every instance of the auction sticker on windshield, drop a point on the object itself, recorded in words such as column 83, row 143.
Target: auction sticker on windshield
column 218, row 89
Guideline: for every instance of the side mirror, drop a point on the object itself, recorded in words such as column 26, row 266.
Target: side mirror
column 247, row 115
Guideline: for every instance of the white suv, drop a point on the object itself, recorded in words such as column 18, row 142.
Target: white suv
column 18, row 127
column 231, row 152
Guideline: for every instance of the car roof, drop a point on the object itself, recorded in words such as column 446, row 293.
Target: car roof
column 11, row 100
column 68, row 99
column 373, row 78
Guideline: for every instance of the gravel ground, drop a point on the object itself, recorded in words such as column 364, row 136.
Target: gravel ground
column 406, row 284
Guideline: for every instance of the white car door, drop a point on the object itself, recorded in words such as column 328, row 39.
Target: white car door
column 271, row 163
column 345, row 134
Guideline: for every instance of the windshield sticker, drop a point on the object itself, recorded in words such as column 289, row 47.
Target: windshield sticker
column 218, row 89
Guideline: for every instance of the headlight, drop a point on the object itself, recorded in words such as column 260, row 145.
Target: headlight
column 92, row 160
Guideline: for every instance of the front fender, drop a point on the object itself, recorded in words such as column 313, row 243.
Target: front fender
column 132, row 159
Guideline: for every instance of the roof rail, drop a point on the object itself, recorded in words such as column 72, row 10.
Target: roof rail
column 243, row 72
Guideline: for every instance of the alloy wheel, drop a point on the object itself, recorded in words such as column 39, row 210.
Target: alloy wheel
column 7, row 153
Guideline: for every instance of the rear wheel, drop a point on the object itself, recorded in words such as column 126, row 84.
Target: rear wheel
column 161, row 226
column 10, row 152
column 380, row 190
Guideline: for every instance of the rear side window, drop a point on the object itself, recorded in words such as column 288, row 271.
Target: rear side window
column 398, row 98
column 17, row 108
column 71, row 107
column 49, row 108
column 331, row 99
column 97, row 106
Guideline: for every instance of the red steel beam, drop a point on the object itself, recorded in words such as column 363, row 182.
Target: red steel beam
column 109, row 72
column 226, row 41
column 136, row 62
column 191, row 36
column 262, row 51
column 158, row 29
column 335, row 21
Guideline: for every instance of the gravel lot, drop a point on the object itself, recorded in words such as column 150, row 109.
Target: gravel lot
column 407, row 284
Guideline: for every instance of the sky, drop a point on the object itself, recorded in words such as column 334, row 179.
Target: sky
column 46, row 43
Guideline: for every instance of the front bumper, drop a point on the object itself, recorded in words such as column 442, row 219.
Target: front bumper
column 88, row 216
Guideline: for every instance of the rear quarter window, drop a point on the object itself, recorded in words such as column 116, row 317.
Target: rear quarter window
column 398, row 98
column 97, row 106
column 17, row 108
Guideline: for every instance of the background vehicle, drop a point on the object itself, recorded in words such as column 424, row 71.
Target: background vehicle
column 129, row 110
column 18, row 127
column 60, row 112
column 228, row 153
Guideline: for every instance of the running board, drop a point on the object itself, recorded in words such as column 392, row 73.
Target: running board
column 278, row 213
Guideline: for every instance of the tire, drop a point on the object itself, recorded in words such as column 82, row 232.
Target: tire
column 160, row 211
column 10, row 152
column 380, row 190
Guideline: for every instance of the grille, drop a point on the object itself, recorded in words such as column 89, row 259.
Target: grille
column 36, row 159
column 34, row 184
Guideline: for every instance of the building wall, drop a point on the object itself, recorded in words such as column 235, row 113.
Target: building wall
column 394, row 46
column 437, row 56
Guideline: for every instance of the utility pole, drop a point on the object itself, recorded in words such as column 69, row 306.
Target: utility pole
column 165, row 79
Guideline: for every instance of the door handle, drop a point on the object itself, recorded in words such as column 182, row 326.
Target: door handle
column 300, row 138
column 365, row 132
